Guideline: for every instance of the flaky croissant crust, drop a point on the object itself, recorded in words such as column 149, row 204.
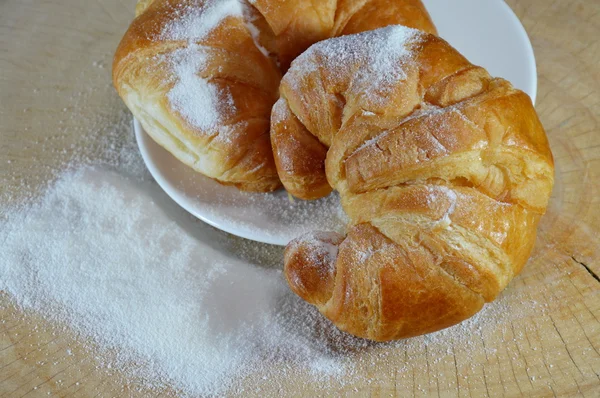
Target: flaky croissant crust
column 240, row 61
column 443, row 170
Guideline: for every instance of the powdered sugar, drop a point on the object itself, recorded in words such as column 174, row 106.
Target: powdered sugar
column 301, row 215
column 113, row 258
column 330, row 250
column 200, row 102
column 323, row 248
column 376, row 60
column 105, row 252
column 197, row 19
column 434, row 194
column 372, row 141
column 249, row 18
column 387, row 58
column 280, row 111
column 370, row 252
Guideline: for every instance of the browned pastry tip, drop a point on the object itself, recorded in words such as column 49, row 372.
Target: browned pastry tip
column 310, row 265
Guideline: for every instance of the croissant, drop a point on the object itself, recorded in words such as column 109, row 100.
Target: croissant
column 202, row 75
column 443, row 171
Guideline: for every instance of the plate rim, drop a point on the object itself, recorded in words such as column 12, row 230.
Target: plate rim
column 527, row 40
column 173, row 192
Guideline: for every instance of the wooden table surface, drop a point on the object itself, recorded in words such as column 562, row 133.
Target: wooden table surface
column 55, row 84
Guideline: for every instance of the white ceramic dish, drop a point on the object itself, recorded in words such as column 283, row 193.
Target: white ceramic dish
column 487, row 32
column 270, row 218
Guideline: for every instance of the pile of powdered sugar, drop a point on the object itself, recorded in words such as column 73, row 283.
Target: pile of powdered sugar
column 113, row 257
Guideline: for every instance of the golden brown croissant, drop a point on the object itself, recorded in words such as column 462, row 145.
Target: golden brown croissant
column 443, row 170
column 202, row 75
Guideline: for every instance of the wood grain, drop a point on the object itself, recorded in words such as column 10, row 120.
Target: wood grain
column 541, row 339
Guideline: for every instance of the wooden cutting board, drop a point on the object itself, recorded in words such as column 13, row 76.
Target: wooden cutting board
column 55, row 86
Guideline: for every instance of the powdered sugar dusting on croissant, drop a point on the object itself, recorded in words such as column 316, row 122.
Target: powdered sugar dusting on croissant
column 198, row 18
column 315, row 255
column 382, row 55
column 199, row 101
column 432, row 199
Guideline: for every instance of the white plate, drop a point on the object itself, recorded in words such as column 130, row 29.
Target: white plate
column 487, row 32
column 271, row 218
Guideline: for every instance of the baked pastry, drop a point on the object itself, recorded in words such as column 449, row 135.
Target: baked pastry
column 202, row 75
column 443, row 171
